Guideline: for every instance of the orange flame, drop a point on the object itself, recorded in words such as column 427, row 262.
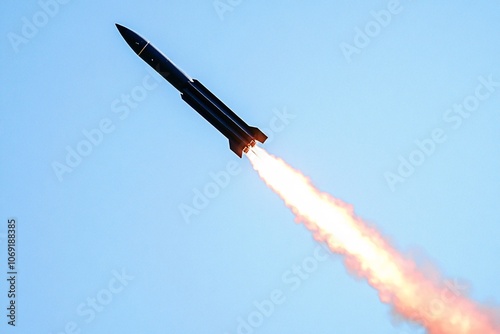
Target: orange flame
column 432, row 303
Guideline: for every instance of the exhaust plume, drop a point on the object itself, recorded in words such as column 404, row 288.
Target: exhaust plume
column 413, row 295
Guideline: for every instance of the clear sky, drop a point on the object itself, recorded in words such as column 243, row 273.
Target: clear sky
column 391, row 106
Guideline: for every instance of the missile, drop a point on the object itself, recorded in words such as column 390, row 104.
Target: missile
column 241, row 136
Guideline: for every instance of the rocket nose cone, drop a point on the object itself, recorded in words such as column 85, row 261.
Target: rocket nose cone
column 121, row 29
column 136, row 42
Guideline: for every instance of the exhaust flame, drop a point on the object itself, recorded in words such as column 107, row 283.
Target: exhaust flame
column 416, row 297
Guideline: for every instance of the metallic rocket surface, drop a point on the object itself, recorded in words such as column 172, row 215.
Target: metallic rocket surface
column 241, row 136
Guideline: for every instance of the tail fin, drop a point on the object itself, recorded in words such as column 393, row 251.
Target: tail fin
column 237, row 147
column 257, row 134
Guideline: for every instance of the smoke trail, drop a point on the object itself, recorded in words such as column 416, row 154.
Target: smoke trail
column 416, row 297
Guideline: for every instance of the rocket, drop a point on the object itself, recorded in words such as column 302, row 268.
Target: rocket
column 241, row 136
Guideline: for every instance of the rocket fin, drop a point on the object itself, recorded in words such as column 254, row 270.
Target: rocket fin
column 257, row 134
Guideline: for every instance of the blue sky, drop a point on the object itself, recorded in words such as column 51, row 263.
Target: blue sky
column 390, row 106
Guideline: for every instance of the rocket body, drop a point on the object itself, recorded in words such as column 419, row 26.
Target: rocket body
column 241, row 136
